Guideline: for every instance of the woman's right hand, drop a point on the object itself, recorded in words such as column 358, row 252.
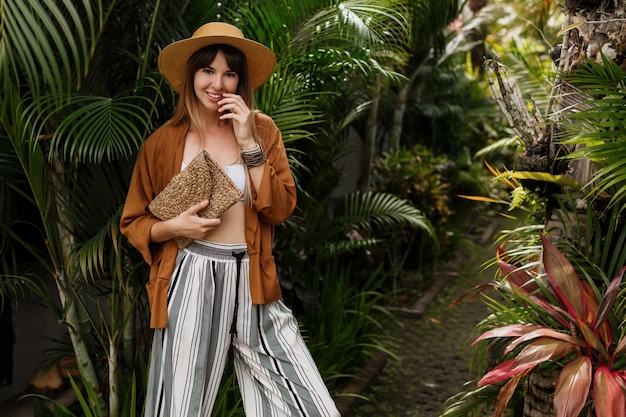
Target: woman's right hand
column 187, row 224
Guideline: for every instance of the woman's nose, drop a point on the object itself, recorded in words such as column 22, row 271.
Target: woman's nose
column 217, row 82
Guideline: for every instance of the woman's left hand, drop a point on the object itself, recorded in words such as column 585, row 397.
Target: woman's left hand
column 234, row 108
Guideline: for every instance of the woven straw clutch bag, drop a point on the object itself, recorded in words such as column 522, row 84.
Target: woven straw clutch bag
column 202, row 179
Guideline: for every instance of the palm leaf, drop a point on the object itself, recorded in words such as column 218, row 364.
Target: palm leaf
column 39, row 38
column 597, row 243
column 600, row 124
column 291, row 106
column 386, row 211
column 93, row 128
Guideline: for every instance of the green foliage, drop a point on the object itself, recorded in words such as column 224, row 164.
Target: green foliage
column 590, row 233
column 574, row 296
column 348, row 321
column 422, row 178
column 333, row 281
column 363, row 222
column 448, row 111
column 228, row 402
column 599, row 125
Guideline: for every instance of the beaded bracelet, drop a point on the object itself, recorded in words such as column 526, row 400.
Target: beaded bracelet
column 253, row 157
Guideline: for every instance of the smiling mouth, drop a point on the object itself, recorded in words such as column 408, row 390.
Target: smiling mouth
column 215, row 96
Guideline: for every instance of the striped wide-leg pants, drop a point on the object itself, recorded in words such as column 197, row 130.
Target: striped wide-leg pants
column 276, row 373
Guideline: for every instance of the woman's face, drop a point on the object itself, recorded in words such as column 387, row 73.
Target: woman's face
column 211, row 82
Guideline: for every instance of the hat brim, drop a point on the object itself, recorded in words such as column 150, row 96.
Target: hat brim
column 173, row 58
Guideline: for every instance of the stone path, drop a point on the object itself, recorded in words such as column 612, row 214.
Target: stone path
column 433, row 347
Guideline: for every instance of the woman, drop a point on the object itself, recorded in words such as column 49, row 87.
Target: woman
column 221, row 292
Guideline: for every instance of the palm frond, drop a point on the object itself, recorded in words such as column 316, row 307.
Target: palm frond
column 386, row 211
column 358, row 23
column 94, row 202
column 597, row 243
column 93, row 128
column 290, row 104
column 476, row 402
column 597, row 120
column 332, row 249
column 48, row 40
column 428, row 20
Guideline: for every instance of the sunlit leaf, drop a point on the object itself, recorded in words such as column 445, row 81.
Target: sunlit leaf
column 563, row 278
column 519, row 278
column 608, row 394
column 592, row 305
column 511, row 330
column 501, row 372
column 546, row 177
column 542, row 350
column 544, row 332
column 572, row 387
column 483, row 199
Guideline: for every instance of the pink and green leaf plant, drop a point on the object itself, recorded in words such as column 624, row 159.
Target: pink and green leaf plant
column 578, row 337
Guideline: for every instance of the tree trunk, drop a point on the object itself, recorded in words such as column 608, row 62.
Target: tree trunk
column 398, row 117
column 538, row 401
column 597, row 28
column 69, row 303
column 369, row 147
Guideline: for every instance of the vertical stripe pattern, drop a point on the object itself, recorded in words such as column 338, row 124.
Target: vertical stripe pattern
column 276, row 373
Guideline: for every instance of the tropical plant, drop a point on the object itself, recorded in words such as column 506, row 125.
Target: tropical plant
column 349, row 321
column 335, row 283
column 596, row 130
column 579, row 332
column 419, row 176
column 365, row 221
column 578, row 133
column 60, row 112
column 555, row 312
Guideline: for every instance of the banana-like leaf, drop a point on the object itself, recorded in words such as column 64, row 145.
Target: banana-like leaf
column 502, row 372
column 542, row 350
column 608, row 394
column 563, row 277
column 572, row 387
column 551, row 336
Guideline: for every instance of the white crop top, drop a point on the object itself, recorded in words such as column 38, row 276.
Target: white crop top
column 235, row 172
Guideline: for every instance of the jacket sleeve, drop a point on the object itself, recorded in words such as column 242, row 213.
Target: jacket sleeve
column 275, row 199
column 136, row 221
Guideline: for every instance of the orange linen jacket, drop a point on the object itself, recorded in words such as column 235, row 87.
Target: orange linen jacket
column 159, row 160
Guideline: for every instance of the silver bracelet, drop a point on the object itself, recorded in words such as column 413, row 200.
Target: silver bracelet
column 253, row 157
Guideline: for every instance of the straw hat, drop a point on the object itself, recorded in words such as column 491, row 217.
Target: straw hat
column 173, row 58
